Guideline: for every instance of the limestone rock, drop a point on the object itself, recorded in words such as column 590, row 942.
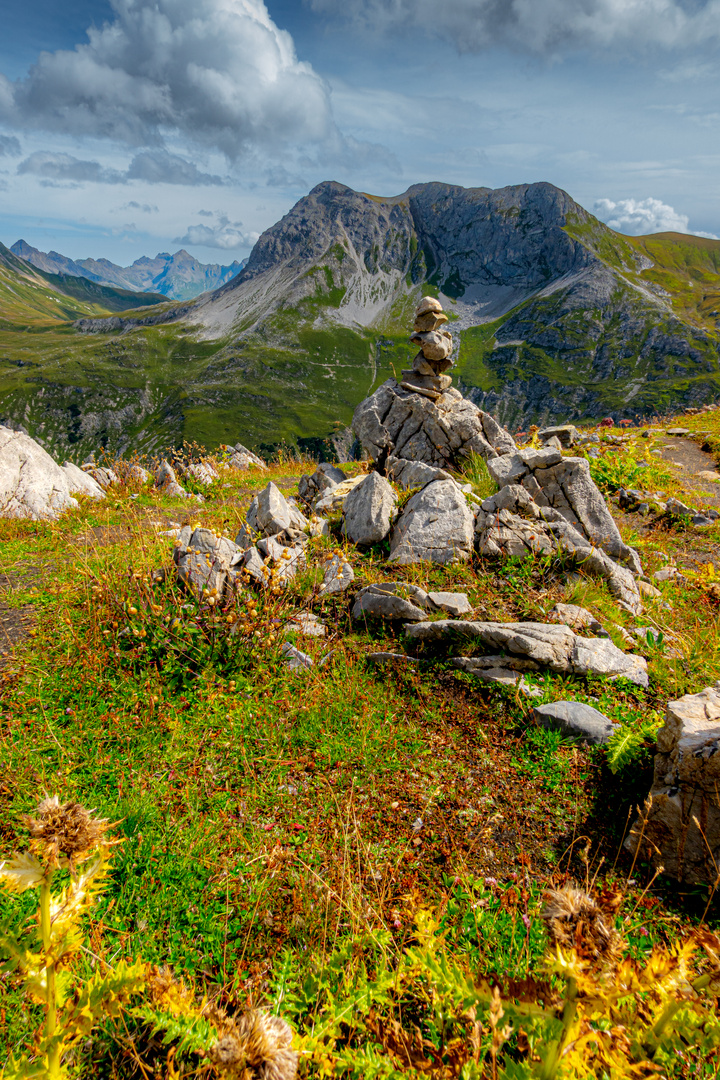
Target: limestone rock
column 370, row 509
column 103, row 476
column 400, row 423
column 202, row 472
column 435, row 526
column 32, row 485
column 430, row 320
column 506, row 468
column 497, row 671
column 381, row 658
column 81, row 483
column 412, row 474
column 339, row 575
column 566, row 434
column 206, row 561
column 576, row 720
column 270, row 512
column 326, row 476
column 294, row 658
column 137, row 476
column 239, row 457
column 553, row 646
column 318, row 526
column 577, row 618
column 386, row 605
column 334, row 498
column 307, row 624
column 540, row 459
column 451, row 602
column 434, row 345
column 254, row 566
column 680, row 827
column 428, row 303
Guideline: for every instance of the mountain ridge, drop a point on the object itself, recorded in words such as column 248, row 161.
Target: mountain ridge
column 179, row 276
column 554, row 316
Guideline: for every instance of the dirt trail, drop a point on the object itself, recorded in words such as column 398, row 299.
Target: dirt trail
column 691, row 460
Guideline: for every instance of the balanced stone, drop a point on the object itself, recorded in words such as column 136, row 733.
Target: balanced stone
column 431, row 321
column 435, row 345
column 428, row 303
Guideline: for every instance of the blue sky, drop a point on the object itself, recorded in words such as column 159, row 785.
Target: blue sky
column 198, row 125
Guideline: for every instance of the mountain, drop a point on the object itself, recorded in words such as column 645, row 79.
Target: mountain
column 555, row 317
column 31, row 297
column 179, row 276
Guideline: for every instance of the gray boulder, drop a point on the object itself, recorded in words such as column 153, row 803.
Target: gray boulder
column 553, row 646
column 506, row 468
column 239, row 457
column 369, row 510
column 413, row 474
column 679, row 828
column 326, row 476
column 383, row 605
column 399, row 422
column 32, row 485
column 451, row 602
column 103, row 476
column 339, row 575
column 204, row 565
column 270, row 512
column 566, row 434
column 435, row 526
column 576, row 720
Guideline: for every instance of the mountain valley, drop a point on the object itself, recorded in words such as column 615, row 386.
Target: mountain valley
column 554, row 315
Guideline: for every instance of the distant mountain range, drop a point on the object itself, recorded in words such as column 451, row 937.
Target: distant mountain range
column 178, row 276
column 554, row 316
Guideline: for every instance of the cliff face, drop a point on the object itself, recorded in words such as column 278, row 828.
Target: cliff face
column 555, row 317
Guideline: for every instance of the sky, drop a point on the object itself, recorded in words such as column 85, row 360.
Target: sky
column 129, row 127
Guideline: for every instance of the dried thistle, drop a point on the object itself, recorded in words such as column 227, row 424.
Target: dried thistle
column 256, row 1045
column 575, row 921
column 65, row 832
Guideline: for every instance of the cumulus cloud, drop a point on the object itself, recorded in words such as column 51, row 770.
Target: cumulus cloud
column 64, row 168
column 9, row 146
column 541, row 26
column 638, row 217
column 220, row 73
column 162, row 167
column 224, row 234
column 150, row 166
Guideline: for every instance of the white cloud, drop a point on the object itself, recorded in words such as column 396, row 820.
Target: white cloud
column 638, row 217
column 540, row 26
column 225, row 234
column 220, row 74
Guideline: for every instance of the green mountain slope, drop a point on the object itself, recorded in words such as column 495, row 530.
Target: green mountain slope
column 554, row 316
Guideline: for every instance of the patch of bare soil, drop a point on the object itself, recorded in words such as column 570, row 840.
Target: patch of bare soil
column 691, row 460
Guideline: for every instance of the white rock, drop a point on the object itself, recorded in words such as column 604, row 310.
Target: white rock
column 369, row 510
column 435, row 526
column 32, row 485
column 81, row 483
column 333, row 499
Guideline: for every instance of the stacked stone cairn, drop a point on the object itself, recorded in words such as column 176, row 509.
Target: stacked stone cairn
column 426, row 376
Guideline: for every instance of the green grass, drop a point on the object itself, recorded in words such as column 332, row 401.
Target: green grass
column 270, row 818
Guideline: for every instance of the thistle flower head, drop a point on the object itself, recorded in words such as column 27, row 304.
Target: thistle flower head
column 256, row 1044
column 575, row 921
column 64, row 830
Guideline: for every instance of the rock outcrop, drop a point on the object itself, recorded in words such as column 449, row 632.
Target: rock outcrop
column 436, row 526
column 32, row 485
column 538, row 644
column 679, row 828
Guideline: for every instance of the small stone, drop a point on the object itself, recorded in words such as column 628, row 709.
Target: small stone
column 577, row 618
column 567, row 434
column 667, row 573
column 386, row 605
column 431, row 320
column 339, row 575
column 333, row 500
column 677, row 431
column 434, row 345
column 679, row 509
column 308, row 625
column 576, row 720
column 646, row 589
column 540, row 459
column 452, row 603
column 708, row 474
column 318, row 527
column 294, row 659
column 428, row 303
column 381, row 658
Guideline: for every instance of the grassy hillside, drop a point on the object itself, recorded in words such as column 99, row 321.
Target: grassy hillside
column 362, row 851
column 29, row 297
